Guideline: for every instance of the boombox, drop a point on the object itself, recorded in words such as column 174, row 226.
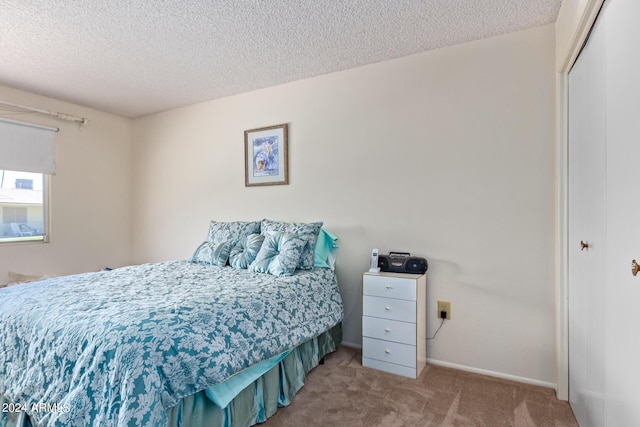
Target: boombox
column 402, row 262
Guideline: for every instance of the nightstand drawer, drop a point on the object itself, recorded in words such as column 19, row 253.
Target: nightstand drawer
column 387, row 351
column 389, row 367
column 389, row 287
column 388, row 308
column 390, row 330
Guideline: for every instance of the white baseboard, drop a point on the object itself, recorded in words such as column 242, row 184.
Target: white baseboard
column 491, row 373
column 473, row 370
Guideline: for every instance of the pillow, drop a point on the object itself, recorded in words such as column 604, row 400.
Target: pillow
column 245, row 251
column 231, row 231
column 308, row 230
column 326, row 250
column 279, row 254
column 212, row 253
column 14, row 278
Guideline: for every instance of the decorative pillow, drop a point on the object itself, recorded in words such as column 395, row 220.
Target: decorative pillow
column 245, row 251
column 326, row 250
column 279, row 254
column 231, row 231
column 212, row 253
column 308, row 230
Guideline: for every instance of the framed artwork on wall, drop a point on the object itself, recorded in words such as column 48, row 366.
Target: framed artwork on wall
column 265, row 156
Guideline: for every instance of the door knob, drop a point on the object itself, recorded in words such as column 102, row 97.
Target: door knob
column 635, row 267
column 584, row 245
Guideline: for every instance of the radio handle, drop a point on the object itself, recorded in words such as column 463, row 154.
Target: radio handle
column 399, row 254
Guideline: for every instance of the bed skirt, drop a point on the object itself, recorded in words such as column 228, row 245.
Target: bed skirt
column 254, row 404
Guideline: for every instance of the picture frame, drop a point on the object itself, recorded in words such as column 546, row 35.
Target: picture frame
column 266, row 156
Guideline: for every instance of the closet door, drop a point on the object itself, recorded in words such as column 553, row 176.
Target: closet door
column 586, row 228
column 623, row 213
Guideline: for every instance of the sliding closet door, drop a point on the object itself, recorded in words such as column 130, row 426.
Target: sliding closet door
column 623, row 212
column 587, row 232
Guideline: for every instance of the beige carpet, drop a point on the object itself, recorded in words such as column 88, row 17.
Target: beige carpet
column 343, row 393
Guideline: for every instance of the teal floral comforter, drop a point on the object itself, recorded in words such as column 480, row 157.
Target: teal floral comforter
column 118, row 348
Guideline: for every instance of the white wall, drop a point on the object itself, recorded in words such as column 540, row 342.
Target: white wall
column 90, row 193
column 448, row 154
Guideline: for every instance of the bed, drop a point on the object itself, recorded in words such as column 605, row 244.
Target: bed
column 179, row 343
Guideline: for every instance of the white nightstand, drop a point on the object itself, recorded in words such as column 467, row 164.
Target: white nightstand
column 394, row 322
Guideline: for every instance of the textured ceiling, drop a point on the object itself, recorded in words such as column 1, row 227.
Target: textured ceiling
column 135, row 57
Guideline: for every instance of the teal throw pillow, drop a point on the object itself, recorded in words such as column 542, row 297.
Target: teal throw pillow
column 279, row 254
column 212, row 253
column 245, row 251
column 307, row 230
column 325, row 246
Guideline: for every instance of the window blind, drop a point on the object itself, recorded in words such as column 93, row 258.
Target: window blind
column 27, row 147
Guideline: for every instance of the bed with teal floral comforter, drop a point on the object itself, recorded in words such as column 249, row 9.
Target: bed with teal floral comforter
column 119, row 348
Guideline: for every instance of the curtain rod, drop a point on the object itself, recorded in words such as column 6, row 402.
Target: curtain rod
column 61, row 116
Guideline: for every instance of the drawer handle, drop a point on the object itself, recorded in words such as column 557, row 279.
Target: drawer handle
column 389, row 287
column 387, row 329
column 387, row 351
column 387, row 308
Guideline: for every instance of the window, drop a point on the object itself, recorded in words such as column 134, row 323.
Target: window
column 23, row 201
column 24, row 183
column 26, row 162
column 13, row 214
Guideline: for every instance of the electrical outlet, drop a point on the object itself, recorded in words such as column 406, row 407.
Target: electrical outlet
column 444, row 306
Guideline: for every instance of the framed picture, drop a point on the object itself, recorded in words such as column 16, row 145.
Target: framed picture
column 265, row 156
